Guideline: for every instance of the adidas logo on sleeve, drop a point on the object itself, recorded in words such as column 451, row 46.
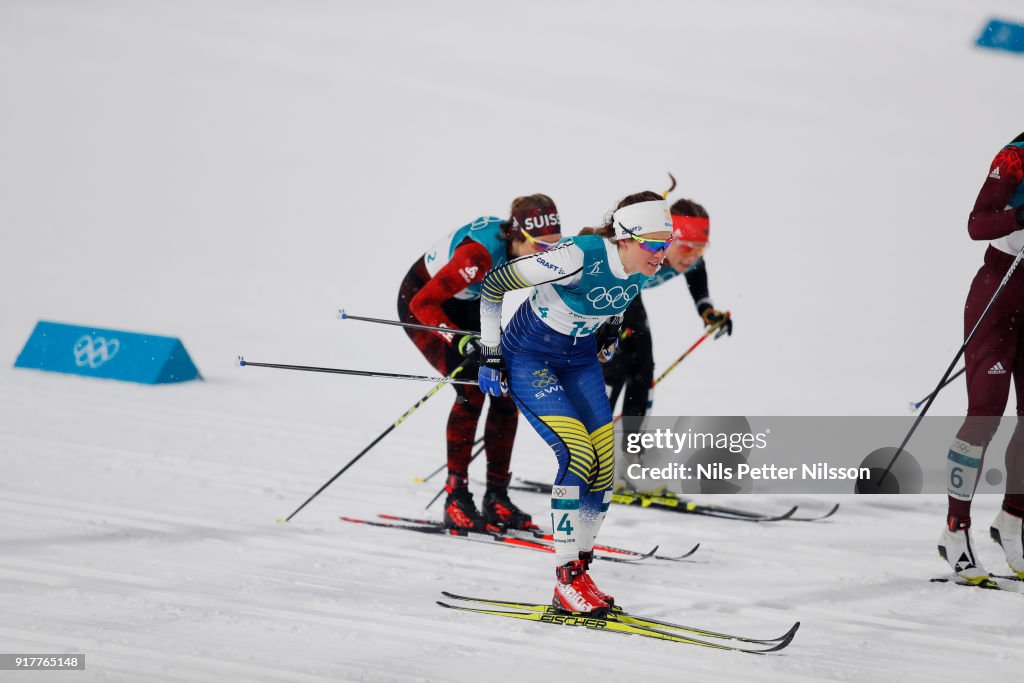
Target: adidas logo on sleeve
column 994, row 174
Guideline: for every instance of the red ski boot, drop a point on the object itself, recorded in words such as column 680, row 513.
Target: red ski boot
column 573, row 592
column 500, row 511
column 459, row 509
column 586, row 559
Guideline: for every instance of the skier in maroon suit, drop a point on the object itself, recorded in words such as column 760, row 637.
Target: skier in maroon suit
column 994, row 354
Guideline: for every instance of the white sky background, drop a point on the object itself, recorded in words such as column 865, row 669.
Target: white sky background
column 231, row 172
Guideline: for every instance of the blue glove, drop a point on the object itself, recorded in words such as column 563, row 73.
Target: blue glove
column 491, row 376
column 608, row 339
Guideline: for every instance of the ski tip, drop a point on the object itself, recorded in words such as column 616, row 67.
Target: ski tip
column 784, row 641
column 637, row 558
column 453, row 596
column 819, row 518
column 789, row 513
column 779, row 518
column 678, row 558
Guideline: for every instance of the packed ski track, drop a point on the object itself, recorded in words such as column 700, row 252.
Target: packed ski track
column 232, row 173
column 169, row 564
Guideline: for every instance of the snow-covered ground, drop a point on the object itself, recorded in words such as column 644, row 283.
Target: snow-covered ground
column 230, row 172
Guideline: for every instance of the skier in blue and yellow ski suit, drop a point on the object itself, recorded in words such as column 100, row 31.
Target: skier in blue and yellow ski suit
column 547, row 359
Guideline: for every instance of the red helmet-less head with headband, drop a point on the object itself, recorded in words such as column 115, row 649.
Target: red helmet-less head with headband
column 690, row 222
column 691, row 230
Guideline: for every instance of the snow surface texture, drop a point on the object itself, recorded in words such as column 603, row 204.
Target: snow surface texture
column 230, row 172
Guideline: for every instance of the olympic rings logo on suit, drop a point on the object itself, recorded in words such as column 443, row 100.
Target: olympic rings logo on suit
column 558, row 492
column 616, row 296
column 482, row 222
column 94, row 351
column 544, row 380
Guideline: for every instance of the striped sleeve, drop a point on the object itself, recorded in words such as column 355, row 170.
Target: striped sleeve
column 562, row 263
column 502, row 279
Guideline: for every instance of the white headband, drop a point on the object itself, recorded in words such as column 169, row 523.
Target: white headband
column 642, row 218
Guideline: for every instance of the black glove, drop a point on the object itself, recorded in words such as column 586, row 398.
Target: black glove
column 469, row 348
column 608, row 339
column 711, row 316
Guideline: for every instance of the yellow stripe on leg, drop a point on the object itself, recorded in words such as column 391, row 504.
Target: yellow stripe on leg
column 603, row 439
column 577, row 440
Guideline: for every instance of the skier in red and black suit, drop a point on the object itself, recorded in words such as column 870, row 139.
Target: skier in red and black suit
column 442, row 289
column 994, row 354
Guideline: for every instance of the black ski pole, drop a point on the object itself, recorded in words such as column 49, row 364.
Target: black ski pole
column 342, row 315
column 424, row 480
column 478, row 452
column 915, row 406
column 359, row 373
column 434, row 390
column 963, row 347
